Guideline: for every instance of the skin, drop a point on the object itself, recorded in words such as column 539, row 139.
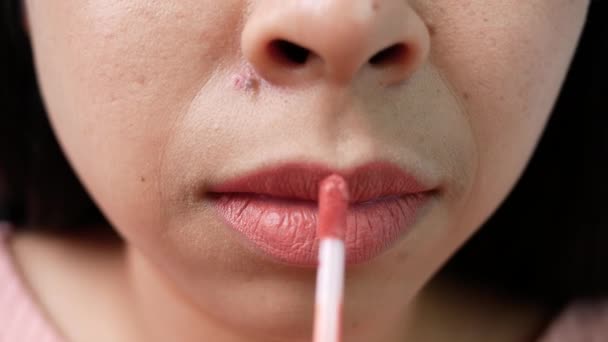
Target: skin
column 153, row 101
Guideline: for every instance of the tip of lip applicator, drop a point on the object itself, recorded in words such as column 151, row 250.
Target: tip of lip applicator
column 333, row 205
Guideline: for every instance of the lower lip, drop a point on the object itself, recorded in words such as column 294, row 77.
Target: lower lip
column 286, row 229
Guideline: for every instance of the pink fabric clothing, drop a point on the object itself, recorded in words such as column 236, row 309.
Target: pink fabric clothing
column 22, row 319
column 581, row 321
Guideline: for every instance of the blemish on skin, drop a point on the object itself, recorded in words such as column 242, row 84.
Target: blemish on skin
column 432, row 29
column 246, row 80
column 354, row 324
column 243, row 82
column 142, row 179
column 401, row 257
column 375, row 5
column 466, row 95
column 141, row 80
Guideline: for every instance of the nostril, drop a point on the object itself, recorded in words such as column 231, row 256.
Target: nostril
column 391, row 55
column 285, row 52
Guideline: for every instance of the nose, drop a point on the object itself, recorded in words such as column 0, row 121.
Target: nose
column 294, row 42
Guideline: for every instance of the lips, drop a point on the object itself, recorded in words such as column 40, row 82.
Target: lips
column 275, row 209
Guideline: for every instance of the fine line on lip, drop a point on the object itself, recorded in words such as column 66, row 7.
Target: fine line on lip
column 333, row 206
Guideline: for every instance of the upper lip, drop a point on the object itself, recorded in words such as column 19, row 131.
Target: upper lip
column 301, row 181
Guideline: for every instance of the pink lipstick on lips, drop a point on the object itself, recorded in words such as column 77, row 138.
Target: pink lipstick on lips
column 276, row 209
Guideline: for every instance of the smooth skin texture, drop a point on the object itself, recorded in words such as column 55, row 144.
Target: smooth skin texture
column 142, row 96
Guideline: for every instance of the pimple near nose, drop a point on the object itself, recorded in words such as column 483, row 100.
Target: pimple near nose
column 246, row 79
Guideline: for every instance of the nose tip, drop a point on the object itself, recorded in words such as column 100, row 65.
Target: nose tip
column 292, row 42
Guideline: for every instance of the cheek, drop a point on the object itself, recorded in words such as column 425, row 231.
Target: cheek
column 115, row 75
column 506, row 63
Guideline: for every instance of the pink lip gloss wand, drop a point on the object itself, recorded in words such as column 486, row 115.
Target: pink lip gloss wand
column 333, row 205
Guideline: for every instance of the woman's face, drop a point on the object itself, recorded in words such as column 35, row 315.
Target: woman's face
column 156, row 103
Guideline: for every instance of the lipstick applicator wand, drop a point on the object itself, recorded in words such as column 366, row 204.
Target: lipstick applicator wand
column 333, row 206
